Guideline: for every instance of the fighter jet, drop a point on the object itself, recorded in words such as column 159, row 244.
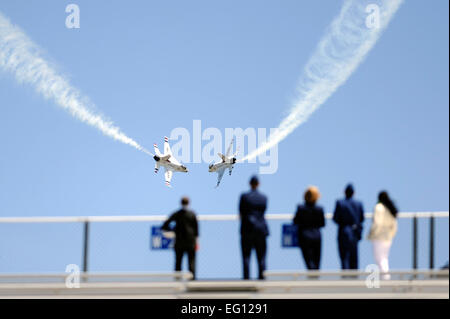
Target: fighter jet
column 227, row 162
column 168, row 161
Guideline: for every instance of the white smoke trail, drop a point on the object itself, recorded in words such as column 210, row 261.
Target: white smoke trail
column 346, row 43
column 20, row 56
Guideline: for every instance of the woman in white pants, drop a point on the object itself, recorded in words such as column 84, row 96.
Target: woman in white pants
column 383, row 230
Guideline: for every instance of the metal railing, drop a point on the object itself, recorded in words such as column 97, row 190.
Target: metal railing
column 96, row 276
column 86, row 220
column 424, row 274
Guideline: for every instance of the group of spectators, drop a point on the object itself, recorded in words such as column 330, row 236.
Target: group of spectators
column 349, row 217
column 309, row 218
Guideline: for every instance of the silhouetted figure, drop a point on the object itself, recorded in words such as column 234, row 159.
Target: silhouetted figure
column 383, row 230
column 309, row 218
column 254, row 230
column 186, row 235
column 349, row 216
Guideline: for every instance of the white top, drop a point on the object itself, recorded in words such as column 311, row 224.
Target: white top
column 384, row 225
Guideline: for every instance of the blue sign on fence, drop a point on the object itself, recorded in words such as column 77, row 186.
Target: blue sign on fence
column 289, row 237
column 158, row 240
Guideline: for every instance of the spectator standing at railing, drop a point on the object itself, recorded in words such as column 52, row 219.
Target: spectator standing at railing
column 349, row 216
column 254, row 230
column 383, row 230
column 186, row 235
column 309, row 218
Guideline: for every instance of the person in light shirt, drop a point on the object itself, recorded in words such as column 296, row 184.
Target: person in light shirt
column 383, row 230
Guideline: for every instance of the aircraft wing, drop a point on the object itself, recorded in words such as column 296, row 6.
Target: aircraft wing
column 173, row 160
column 230, row 147
column 157, row 152
column 223, row 157
column 168, row 176
column 167, row 150
column 219, row 176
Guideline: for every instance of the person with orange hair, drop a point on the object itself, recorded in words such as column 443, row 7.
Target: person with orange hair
column 309, row 218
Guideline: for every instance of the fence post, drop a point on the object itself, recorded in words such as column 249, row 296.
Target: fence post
column 415, row 242
column 86, row 246
column 432, row 242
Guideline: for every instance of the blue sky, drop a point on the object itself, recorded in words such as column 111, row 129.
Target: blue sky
column 152, row 66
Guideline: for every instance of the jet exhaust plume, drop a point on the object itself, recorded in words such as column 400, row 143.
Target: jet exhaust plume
column 346, row 43
column 21, row 56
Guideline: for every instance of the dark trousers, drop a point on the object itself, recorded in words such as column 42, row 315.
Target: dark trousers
column 179, row 253
column 248, row 243
column 311, row 250
column 348, row 252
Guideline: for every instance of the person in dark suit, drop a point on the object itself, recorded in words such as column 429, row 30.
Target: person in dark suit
column 309, row 218
column 349, row 216
column 254, row 230
column 186, row 235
